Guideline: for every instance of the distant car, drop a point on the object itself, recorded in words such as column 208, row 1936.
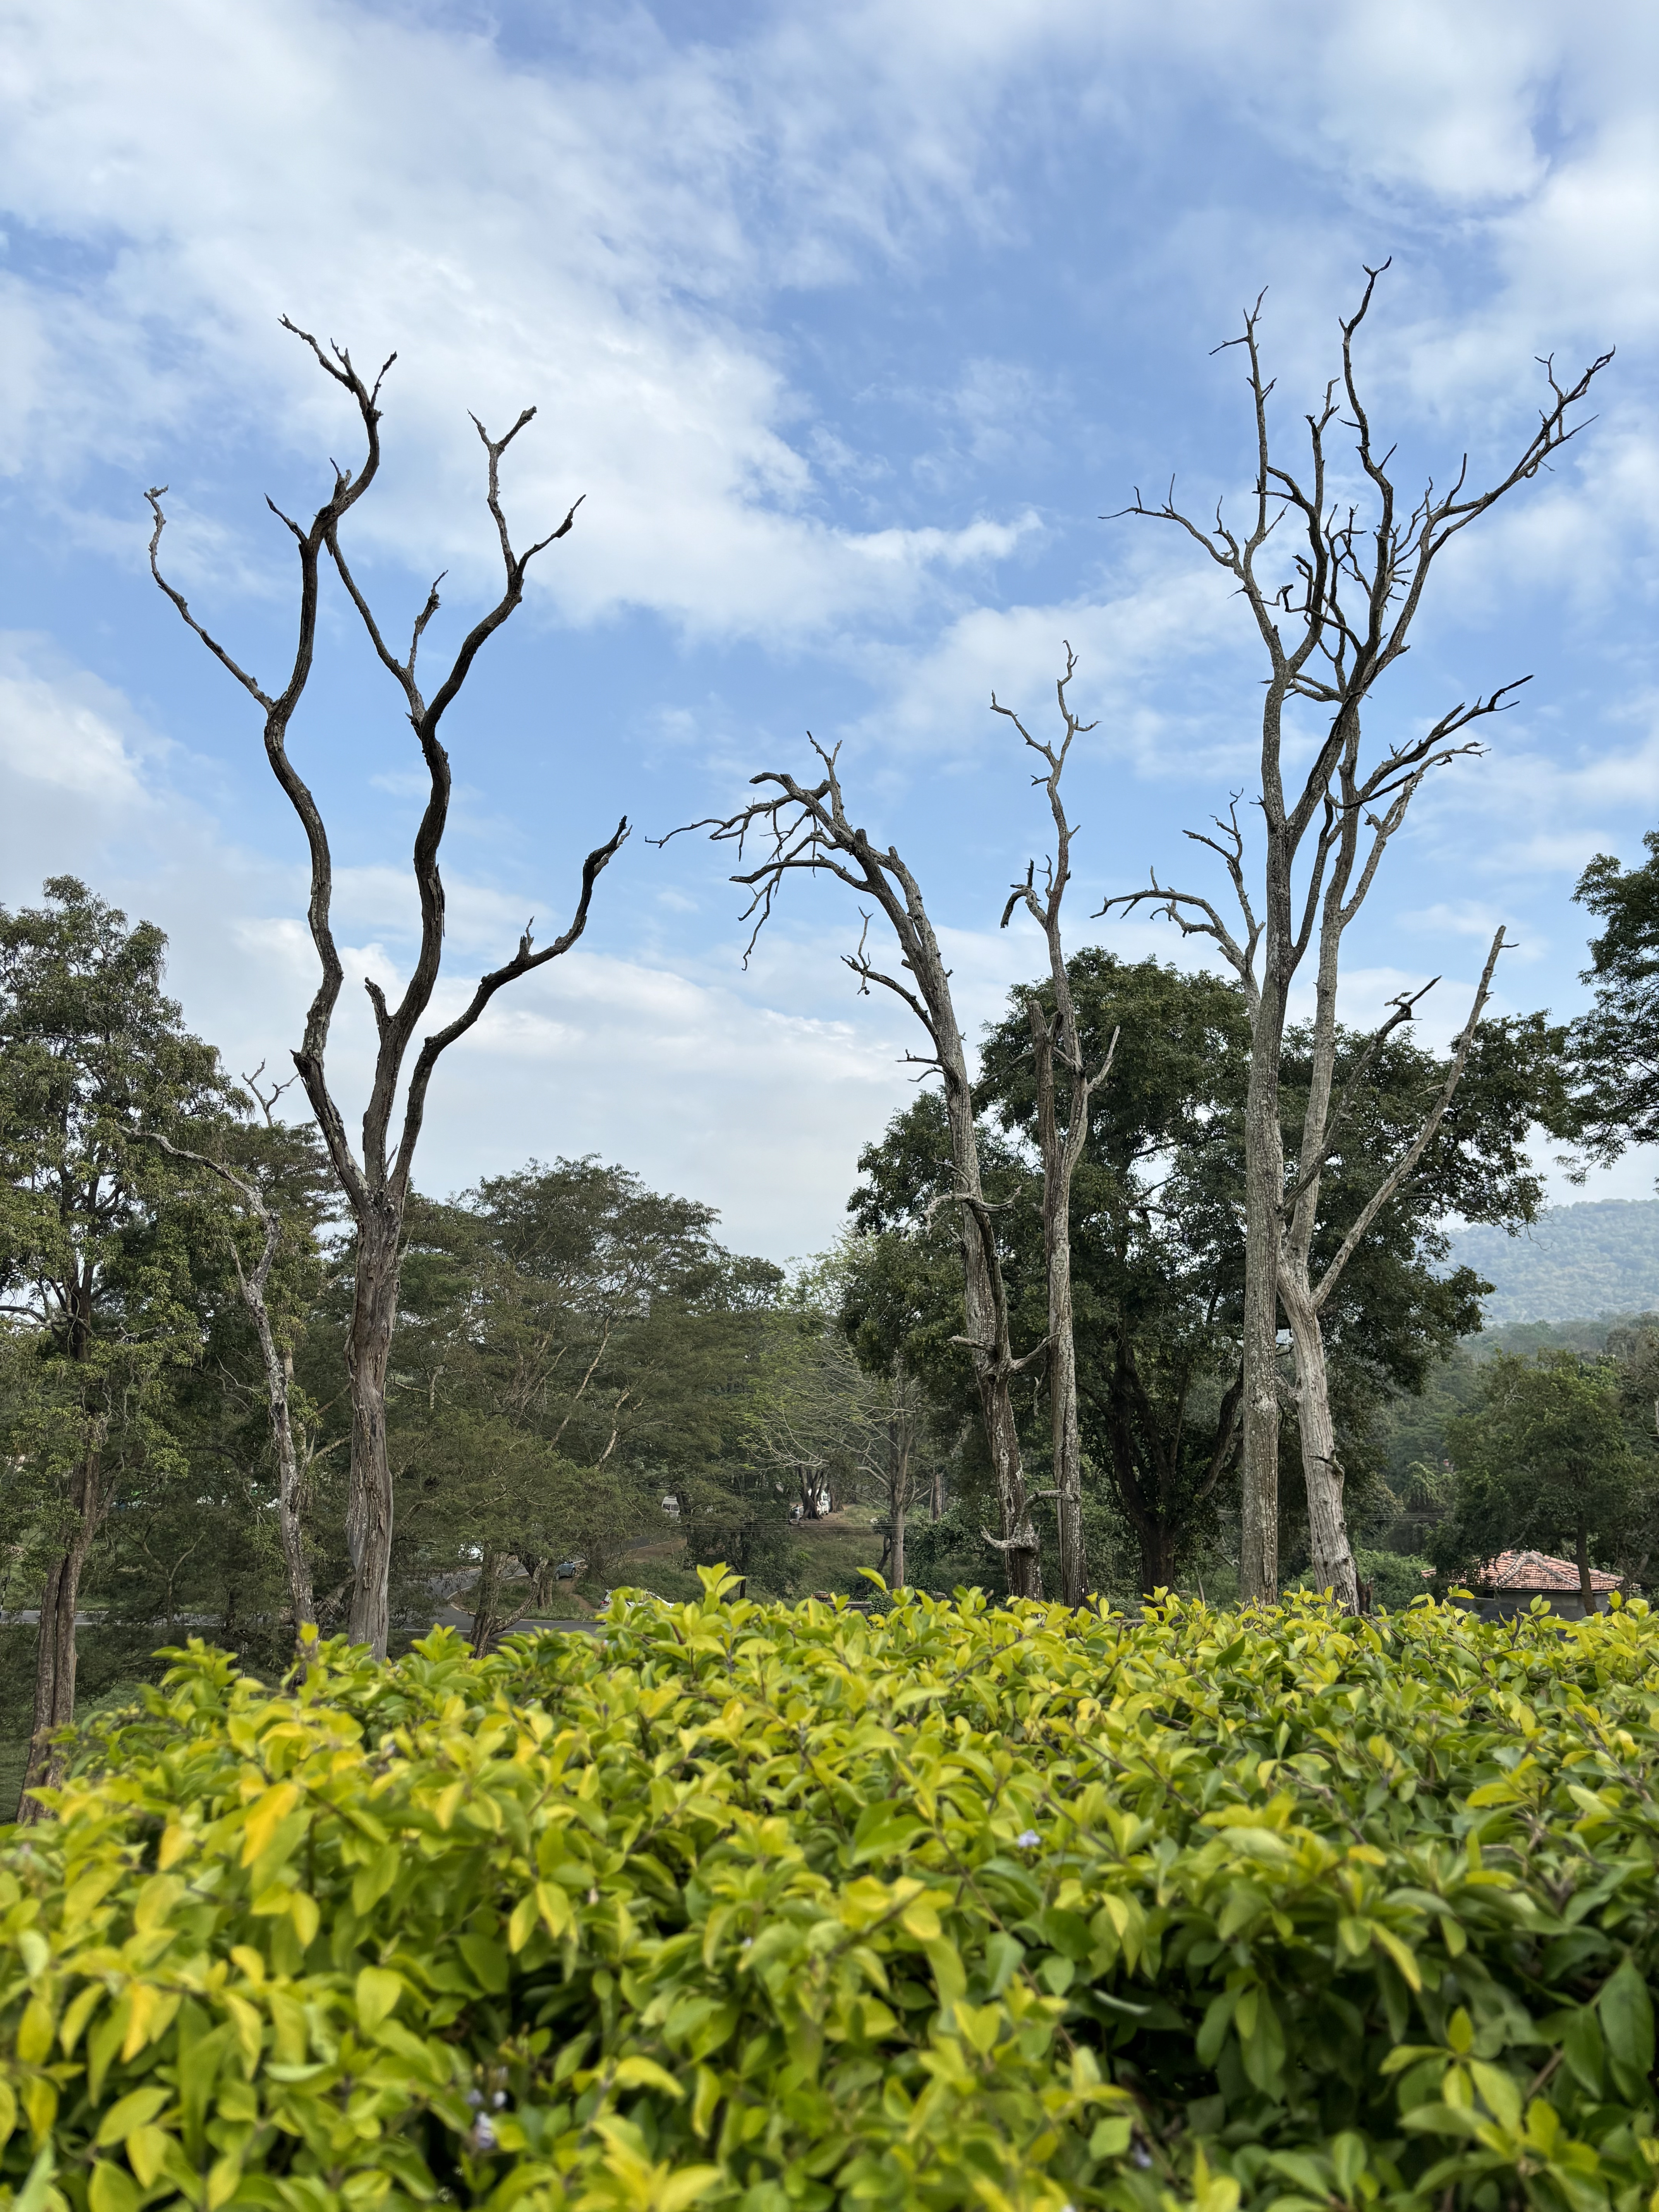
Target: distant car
column 670, row 1506
column 567, row 1570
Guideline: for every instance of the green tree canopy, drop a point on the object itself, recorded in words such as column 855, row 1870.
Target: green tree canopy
column 99, row 1232
column 573, row 1347
column 1545, row 1460
column 1616, row 1043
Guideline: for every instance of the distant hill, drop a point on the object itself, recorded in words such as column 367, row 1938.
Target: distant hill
column 1576, row 1261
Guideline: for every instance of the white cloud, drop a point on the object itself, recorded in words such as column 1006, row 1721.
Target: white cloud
column 604, row 236
column 710, row 1084
column 573, row 242
column 618, row 235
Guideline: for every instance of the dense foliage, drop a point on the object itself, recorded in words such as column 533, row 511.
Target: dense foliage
column 1617, row 1040
column 1544, row 1459
column 573, row 1347
column 767, row 1907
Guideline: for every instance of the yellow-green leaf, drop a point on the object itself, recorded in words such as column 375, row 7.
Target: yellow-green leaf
column 135, row 2110
column 378, row 1991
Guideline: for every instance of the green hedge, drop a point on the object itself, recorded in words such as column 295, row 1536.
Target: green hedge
column 764, row 1907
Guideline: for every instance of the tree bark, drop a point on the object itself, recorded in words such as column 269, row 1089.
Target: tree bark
column 1264, row 1184
column 1067, row 1442
column 1586, row 1587
column 898, row 1497
column 55, row 1647
column 985, row 1309
column 368, row 1358
column 1333, row 1568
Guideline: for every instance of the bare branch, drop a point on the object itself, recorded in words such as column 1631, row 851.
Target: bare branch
column 1402, row 1167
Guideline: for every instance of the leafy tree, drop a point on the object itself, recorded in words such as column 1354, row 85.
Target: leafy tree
column 575, row 1347
column 1157, row 1261
column 1545, row 1460
column 830, row 1425
column 97, row 1232
column 1616, row 1043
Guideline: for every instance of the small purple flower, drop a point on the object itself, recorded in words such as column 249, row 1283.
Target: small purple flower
column 484, row 2133
column 1027, row 1840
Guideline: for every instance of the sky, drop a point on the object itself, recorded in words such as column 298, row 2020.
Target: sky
column 849, row 326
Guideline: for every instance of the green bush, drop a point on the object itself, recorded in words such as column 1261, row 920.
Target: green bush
column 768, row 1907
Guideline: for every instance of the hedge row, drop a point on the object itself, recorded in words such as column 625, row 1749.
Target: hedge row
column 768, row 1907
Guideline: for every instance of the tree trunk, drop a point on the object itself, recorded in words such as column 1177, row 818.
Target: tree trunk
column 368, row 1355
column 936, row 1492
column 55, row 1651
column 1264, row 1187
column 491, row 1616
column 985, row 1311
column 1586, row 1587
column 899, row 1499
column 1328, row 1534
column 278, row 1376
column 1062, row 1346
column 1156, row 1552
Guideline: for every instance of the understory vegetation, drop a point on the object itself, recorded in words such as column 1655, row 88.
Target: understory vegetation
column 779, row 1906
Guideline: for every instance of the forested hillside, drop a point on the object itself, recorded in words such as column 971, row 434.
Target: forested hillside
column 1600, row 1257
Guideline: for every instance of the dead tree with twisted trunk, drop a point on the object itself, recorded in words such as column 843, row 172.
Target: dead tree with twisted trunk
column 806, row 829
column 1057, row 1052
column 376, row 1184
column 1332, row 621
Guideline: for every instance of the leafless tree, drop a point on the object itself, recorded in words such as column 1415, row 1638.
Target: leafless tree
column 277, row 1363
column 376, row 1186
column 806, row 828
column 1331, row 621
column 251, row 1281
column 1303, row 1294
column 1058, row 1054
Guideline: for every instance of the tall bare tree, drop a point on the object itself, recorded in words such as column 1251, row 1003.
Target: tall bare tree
column 1332, row 620
column 293, row 1459
column 1304, row 1289
column 807, row 829
column 1057, row 1051
column 376, row 1185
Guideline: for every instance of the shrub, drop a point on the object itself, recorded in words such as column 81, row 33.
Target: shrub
column 767, row 1907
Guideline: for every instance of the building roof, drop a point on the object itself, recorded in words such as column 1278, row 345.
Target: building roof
column 1536, row 1571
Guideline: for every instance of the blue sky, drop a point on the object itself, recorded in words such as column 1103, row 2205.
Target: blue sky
column 850, row 324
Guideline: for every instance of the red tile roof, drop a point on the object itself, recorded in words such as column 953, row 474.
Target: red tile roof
column 1536, row 1571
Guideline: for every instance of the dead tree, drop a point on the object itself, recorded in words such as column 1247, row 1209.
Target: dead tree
column 278, row 1363
column 1058, row 1053
column 808, row 830
column 376, row 1186
column 1303, row 1295
column 252, row 1283
column 1333, row 620
column 898, row 1472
